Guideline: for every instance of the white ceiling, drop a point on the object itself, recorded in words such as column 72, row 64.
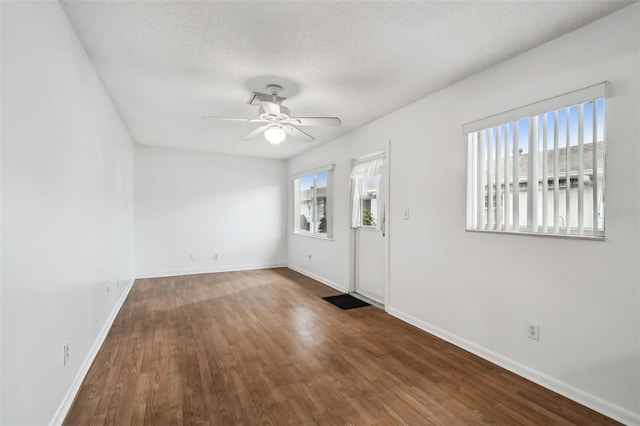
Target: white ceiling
column 166, row 64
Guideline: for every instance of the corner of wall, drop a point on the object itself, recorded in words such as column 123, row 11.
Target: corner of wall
column 67, row 401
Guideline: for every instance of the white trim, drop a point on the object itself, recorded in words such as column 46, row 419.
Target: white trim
column 325, row 281
column 65, row 405
column 208, row 270
column 387, row 227
column 596, row 403
column 600, row 90
column 540, row 234
column 328, row 168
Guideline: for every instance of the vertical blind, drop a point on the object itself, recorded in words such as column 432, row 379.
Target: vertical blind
column 540, row 169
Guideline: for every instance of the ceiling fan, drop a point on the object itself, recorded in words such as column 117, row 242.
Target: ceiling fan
column 277, row 119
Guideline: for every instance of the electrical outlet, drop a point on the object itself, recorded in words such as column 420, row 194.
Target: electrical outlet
column 309, row 256
column 108, row 289
column 65, row 359
column 405, row 214
column 192, row 258
column 215, row 256
column 533, row 331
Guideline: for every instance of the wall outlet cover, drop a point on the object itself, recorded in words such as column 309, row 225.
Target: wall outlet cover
column 533, row 331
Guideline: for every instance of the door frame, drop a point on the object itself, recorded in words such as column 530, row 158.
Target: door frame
column 387, row 237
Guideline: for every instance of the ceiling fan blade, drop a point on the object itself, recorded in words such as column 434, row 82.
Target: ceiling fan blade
column 298, row 134
column 246, row 120
column 257, row 132
column 316, row 121
column 271, row 108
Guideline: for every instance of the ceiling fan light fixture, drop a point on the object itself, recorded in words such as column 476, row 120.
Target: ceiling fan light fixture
column 274, row 135
column 277, row 121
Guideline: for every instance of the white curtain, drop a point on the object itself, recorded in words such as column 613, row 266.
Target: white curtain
column 356, row 207
column 360, row 171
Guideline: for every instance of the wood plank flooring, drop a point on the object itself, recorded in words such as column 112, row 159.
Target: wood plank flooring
column 262, row 347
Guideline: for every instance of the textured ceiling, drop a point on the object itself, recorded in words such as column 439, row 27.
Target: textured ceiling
column 166, row 64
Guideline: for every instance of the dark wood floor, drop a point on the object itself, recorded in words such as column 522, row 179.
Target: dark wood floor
column 262, row 347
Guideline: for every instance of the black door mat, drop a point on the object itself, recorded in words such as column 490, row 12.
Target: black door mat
column 346, row 301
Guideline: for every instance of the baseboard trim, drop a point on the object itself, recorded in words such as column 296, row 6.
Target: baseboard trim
column 65, row 405
column 616, row 412
column 208, row 270
column 323, row 280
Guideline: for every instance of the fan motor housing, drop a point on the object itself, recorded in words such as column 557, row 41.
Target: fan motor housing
column 285, row 113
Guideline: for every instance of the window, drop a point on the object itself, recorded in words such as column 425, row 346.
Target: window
column 369, row 201
column 312, row 200
column 540, row 173
column 367, row 192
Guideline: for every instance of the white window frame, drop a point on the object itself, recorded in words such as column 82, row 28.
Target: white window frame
column 328, row 212
column 484, row 165
column 368, row 166
column 370, row 199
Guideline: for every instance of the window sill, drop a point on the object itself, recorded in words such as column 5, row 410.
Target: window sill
column 535, row 234
column 309, row 235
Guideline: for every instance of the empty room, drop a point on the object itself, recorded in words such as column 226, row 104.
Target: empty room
column 320, row 213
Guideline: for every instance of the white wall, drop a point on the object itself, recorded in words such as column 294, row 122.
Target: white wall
column 480, row 290
column 196, row 203
column 67, row 210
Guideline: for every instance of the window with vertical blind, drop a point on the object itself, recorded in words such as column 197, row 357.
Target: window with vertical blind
column 539, row 169
column 312, row 202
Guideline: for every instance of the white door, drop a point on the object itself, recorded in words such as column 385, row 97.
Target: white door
column 370, row 263
column 368, row 216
